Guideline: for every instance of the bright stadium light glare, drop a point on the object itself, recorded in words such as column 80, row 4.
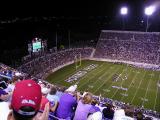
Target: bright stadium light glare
column 124, row 11
column 150, row 10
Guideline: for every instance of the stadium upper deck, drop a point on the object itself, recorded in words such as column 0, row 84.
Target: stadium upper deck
column 130, row 46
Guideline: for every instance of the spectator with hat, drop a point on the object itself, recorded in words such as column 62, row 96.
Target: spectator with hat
column 25, row 102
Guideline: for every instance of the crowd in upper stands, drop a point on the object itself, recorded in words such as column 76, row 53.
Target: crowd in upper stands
column 129, row 46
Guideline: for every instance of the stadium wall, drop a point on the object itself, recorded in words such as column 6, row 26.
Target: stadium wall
column 136, row 64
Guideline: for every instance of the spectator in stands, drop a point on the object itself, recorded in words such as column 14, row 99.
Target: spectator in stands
column 25, row 105
column 84, row 108
column 4, row 96
column 119, row 114
column 95, row 104
column 139, row 116
column 129, row 110
column 67, row 104
column 60, row 91
column 11, row 84
column 52, row 97
column 3, row 84
column 97, row 115
column 108, row 112
column 44, row 101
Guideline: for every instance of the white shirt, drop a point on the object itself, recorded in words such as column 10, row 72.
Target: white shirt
column 95, row 116
column 4, row 110
column 120, row 115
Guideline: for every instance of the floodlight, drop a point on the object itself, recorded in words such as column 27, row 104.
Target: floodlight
column 124, row 10
column 150, row 10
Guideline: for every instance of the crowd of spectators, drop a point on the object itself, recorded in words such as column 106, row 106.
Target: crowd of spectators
column 129, row 46
column 57, row 96
column 50, row 102
column 8, row 72
column 45, row 64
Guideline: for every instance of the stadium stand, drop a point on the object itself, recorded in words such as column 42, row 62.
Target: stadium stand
column 45, row 64
column 114, row 45
column 119, row 110
column 129, row 46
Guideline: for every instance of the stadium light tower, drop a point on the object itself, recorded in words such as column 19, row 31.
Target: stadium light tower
column 123, row 12
column 149, row 11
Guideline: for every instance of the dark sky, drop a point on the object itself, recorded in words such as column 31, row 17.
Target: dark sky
column 71, row 7
column 21, row 21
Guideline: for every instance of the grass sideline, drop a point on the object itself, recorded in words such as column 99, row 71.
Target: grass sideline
column 141, row 84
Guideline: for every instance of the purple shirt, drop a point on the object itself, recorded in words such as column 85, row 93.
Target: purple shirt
column 2, row 92
column 65, row 107
column 83, row 110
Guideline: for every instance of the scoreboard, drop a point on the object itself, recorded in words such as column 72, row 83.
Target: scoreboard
column 36, row 45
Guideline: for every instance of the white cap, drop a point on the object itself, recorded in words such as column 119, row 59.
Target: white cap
column 72, row 88
column 45, row 91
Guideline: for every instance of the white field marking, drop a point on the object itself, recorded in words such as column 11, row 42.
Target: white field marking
column 74, row 73
column 138, row 87
column 118, row 78
column 106, row 80
column 105, row 72
column 93, row 75
column 155, row 102
column 147, row 89
column 69, row 74
column 151, row 90
column 122, row 81
column 133, row 79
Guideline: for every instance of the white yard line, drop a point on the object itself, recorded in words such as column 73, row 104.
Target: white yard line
column 138, row 87
column 151, row 90
column 104, row 73
column 133, row 79
column 155, row 102
column 106, row 80
column 147, row 89
column 121, row 84
column 93, row 75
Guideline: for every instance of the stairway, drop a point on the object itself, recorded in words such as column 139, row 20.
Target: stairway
column 92, row 54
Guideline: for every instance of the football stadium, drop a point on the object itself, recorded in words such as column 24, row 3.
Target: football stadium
column 112, row 74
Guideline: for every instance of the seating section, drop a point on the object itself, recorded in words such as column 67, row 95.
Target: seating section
column 39, row 66
column 129, row 46
column 116, row 45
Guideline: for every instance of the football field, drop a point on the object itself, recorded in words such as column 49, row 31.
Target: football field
column 116, row 81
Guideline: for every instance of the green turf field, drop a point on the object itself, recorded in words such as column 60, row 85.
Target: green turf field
column 141, row 84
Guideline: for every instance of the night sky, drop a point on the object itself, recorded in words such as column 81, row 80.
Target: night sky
column 21, row 22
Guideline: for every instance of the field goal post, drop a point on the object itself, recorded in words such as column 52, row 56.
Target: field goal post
column 78, row 62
